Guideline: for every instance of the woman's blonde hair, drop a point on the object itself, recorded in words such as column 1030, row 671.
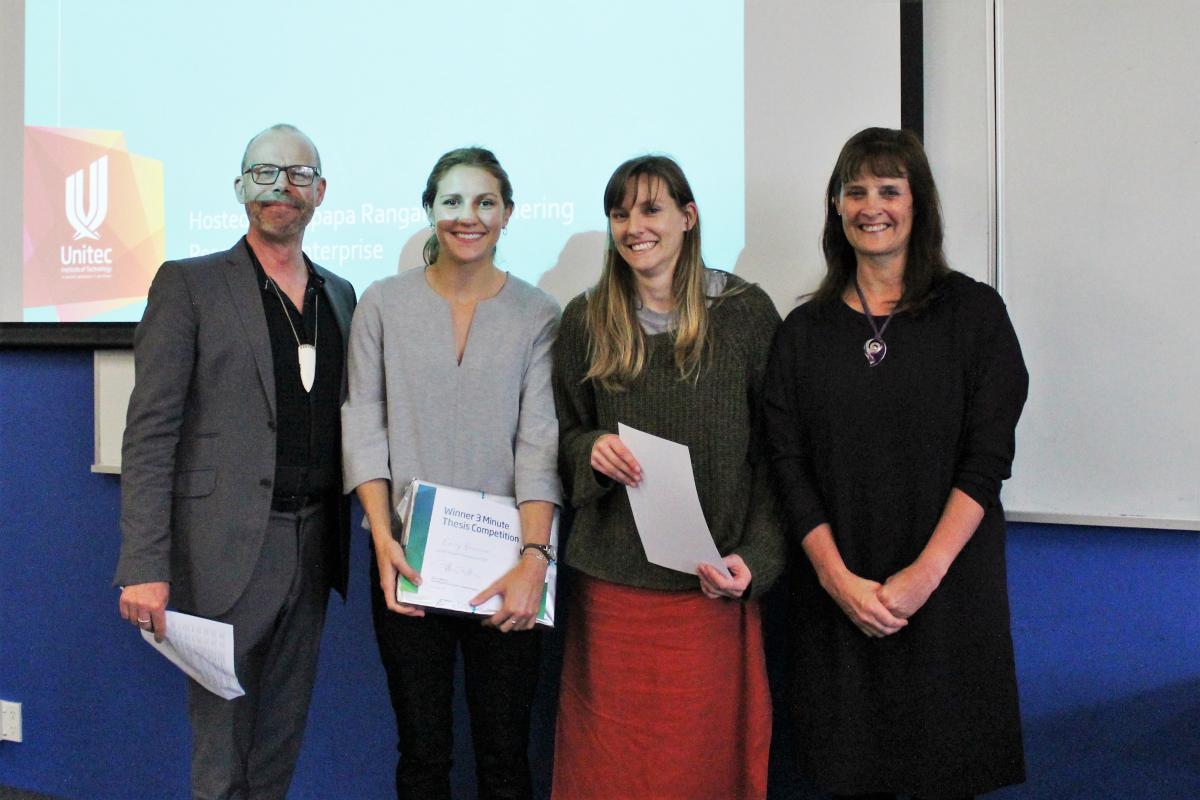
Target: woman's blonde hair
column 617, row 346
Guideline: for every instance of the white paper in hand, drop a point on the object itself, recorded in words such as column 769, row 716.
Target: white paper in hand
column 666, row 507
column 202, row 648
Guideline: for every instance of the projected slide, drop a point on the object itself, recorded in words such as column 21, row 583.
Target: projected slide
column 136, row 115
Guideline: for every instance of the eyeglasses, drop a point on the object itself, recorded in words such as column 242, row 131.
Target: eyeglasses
column 267, row 174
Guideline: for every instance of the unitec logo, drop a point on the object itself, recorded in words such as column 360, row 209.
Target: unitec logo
column 86, row 222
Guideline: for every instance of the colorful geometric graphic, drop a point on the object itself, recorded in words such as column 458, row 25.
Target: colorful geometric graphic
column 94, row 233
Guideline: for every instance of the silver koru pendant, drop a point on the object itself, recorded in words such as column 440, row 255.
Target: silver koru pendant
column 874, row 349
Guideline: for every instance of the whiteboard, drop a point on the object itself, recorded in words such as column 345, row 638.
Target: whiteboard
column 1099, row 190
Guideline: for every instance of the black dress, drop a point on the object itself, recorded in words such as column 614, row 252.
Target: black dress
column 875, row 451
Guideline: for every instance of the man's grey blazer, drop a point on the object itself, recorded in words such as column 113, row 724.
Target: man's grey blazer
column 198, row 457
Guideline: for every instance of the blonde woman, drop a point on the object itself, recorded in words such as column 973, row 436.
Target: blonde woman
column 664, row 689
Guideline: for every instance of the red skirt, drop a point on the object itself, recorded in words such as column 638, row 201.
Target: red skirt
column 664, row 695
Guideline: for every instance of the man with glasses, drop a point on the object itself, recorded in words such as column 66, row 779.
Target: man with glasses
column 231, row 503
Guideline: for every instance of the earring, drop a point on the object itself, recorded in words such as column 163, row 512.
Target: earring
column 504, row 231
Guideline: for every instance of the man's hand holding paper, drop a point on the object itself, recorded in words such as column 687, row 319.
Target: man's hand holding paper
column 145, row 605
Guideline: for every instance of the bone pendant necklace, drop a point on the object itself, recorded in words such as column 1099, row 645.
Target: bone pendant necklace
column 306, row 354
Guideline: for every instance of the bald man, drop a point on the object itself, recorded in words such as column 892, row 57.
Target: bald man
column 230, row 490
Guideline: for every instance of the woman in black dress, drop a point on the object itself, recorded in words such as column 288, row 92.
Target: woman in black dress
column 891, row 403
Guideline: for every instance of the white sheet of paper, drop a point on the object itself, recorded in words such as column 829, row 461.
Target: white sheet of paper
column 203, row 649
column 665, row 505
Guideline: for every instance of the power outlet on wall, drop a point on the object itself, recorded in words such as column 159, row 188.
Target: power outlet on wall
column 10, row 721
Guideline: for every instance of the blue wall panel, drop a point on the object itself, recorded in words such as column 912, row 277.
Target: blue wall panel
column 1107, row 639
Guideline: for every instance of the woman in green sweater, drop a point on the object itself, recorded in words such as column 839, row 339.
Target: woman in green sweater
column 664, row 690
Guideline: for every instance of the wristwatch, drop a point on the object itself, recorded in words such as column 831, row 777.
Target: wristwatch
column 547, row 551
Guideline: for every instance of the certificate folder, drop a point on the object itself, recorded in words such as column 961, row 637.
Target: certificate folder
column 461, row 541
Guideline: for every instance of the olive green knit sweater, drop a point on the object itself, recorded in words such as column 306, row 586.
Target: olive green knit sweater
column 717, row 417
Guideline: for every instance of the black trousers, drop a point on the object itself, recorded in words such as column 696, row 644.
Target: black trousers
column 501, row 671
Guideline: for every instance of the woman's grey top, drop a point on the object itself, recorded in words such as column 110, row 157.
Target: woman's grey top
column 655, row 322
column 412, row 411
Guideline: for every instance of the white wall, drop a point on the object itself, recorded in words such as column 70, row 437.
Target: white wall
column 817, row 72
column 958, row 124
column 12, row 134
column 1097, row 131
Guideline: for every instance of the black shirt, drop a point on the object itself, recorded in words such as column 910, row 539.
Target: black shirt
column 307, row 443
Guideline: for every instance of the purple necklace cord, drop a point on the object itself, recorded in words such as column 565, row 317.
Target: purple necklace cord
column 875, row 348
column 879, row 329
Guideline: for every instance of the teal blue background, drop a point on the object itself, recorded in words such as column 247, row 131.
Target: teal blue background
column 562, row 92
